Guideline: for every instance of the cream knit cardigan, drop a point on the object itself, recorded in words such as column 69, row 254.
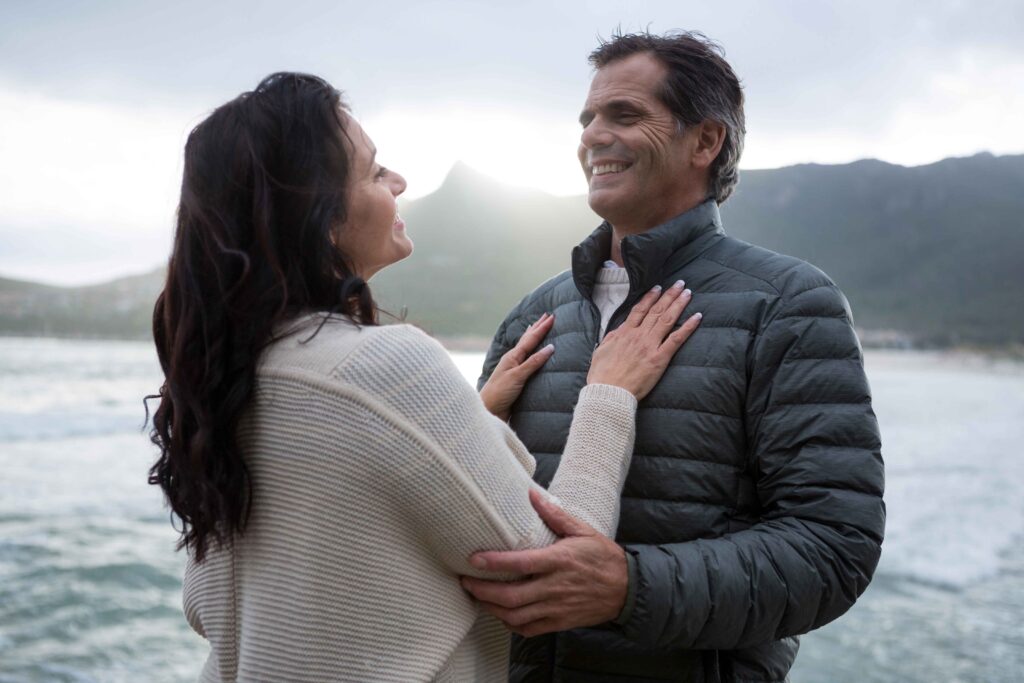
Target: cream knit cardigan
column 376, row 473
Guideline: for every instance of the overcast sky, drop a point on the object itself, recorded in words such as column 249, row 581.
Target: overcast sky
column 96, row 98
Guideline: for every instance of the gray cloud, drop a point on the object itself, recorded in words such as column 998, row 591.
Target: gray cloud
column 840, row 72
column 174, row 50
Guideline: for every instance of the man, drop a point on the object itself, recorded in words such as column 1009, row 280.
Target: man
column 753, row 508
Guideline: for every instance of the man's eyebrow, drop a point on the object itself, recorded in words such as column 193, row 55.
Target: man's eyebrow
column 612, row 107
column 622, row 105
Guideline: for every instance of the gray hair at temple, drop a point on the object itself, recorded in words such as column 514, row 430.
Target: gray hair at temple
column 700, row 85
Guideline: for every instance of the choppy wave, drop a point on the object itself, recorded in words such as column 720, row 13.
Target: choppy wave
column 90, row 583
column 50, row 425
column 952, row 440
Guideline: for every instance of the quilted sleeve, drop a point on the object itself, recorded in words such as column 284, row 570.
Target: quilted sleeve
column 815, row 453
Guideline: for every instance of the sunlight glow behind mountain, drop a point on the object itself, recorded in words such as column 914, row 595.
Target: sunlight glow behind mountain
column 89, row 188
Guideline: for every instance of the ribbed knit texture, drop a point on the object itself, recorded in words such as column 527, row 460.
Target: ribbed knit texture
column 376, row 473
column 610, row 290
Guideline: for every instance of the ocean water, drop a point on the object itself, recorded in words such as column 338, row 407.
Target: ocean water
column 90, row 583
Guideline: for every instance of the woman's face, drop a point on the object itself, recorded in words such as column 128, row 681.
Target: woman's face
column 373, row 236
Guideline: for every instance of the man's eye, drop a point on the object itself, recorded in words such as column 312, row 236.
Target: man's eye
column 381, row 172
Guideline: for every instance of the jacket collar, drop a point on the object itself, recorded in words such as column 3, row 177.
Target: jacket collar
column 652, row 256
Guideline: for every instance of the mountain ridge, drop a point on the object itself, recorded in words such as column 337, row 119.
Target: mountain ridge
column 932, row 252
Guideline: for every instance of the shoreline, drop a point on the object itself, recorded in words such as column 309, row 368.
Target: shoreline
column 1010, row 353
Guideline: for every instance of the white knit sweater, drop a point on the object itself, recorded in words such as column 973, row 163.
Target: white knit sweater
column 376, row 473
column 610, row 290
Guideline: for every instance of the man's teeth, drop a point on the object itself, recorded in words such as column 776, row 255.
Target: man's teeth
column 608, row 168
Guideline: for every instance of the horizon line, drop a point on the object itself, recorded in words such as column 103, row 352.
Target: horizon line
column 457, row 164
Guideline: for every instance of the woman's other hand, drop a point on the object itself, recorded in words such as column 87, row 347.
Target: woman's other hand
column 515, row 367
column 634, row 356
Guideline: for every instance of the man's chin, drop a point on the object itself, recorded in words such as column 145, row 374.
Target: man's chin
column 606, row 203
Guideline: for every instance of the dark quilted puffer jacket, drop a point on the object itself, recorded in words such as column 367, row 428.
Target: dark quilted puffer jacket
column 753, row 506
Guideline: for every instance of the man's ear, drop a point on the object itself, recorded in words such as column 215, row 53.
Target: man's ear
column 708, row 141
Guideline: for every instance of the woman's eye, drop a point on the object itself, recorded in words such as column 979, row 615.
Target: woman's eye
column 381, row 172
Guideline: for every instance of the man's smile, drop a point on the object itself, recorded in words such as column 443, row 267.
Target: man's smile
column 608, row 168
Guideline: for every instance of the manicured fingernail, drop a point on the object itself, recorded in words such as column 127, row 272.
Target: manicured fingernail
column 687, row 292
column 679, row 284
column 549, row 349
column 656, row 288
column 478, row 562
column 698, row 316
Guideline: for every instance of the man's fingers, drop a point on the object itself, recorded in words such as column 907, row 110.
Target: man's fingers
column 507, row 595
column 503, row 594
column 519, row 616
column 537, row 628
column 557, row 519
column 521, row 562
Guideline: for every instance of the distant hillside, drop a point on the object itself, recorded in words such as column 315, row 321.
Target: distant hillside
column 480, row 246
column 934, row 252
column 122, row 308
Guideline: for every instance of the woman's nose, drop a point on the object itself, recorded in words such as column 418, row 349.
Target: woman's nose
column 398, row 187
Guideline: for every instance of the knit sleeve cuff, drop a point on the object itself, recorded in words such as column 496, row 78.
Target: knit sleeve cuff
column 608, row 393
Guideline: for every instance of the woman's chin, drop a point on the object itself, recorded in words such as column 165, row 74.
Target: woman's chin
column 403, row 251
column 405, row 248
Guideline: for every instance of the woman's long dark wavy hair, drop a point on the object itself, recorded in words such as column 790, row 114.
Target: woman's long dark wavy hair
column 262, row 197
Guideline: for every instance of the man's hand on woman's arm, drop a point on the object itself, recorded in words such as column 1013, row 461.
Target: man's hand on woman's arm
column 580, row 580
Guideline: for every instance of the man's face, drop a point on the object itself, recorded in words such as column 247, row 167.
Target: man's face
column 636, row 162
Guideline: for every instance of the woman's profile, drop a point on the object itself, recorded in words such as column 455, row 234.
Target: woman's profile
column 333, row 475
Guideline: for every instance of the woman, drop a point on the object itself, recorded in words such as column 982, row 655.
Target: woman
column 333, row 476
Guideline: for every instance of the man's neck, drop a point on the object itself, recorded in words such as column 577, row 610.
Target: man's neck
column 616, row 254
column 618, row 233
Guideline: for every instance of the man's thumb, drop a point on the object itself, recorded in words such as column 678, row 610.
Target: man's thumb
column 557, row 519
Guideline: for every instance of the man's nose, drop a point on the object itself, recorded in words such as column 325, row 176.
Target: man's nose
column 596, row 135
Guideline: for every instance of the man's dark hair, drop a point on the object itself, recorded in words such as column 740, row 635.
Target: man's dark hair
column 700, row 85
